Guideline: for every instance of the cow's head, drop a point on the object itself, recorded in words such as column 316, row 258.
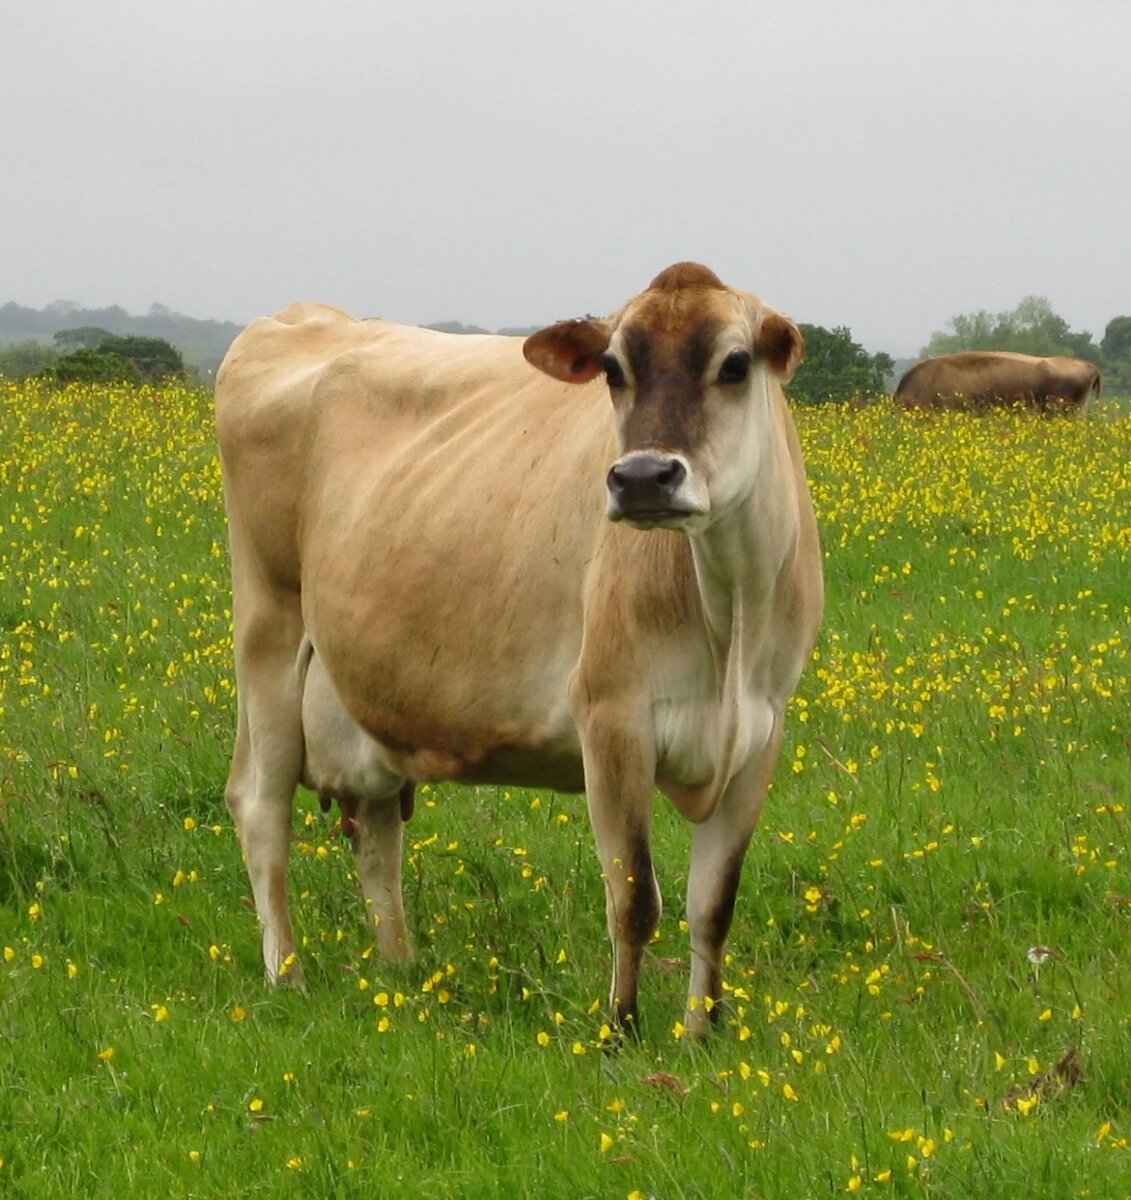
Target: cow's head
column 691, row 366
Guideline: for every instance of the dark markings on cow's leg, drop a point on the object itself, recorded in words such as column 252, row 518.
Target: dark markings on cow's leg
column 635, row 925
column 715, row 931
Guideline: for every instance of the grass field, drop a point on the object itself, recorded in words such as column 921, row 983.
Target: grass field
column 929, row 988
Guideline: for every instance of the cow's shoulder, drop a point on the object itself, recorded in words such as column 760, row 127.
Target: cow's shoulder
column 300, row 335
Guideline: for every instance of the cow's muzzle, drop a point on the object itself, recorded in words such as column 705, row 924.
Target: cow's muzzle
column 649, row 489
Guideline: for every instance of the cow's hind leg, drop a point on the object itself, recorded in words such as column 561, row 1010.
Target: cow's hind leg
column 343, row 762
column 376, row 836
column 265, row 770
column 718, row 848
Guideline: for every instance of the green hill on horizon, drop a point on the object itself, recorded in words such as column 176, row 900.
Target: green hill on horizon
column 203, row 343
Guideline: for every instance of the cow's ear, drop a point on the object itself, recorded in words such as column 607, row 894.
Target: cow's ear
column 781, row 344
column 570, row 350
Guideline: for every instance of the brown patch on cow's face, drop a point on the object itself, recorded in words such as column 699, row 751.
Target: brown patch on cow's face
column 667, row 409
column 668, row 350
column 659, row 366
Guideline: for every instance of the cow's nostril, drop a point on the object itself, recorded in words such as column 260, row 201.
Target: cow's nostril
column 672, row 475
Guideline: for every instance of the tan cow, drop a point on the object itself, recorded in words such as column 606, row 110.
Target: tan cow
column 980, row 379
column 586, row 561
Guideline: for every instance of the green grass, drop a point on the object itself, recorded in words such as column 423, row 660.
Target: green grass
column 952, row 796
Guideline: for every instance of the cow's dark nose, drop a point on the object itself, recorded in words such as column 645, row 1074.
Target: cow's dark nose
column 646, row 483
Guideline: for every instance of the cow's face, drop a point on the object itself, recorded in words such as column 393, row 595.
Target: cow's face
column 689, row 365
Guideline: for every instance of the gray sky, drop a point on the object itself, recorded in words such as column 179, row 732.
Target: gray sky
column 877, row 164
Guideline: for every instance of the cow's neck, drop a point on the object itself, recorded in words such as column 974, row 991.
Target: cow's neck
column 740, row 558
column 738, row 577
column 739, row 564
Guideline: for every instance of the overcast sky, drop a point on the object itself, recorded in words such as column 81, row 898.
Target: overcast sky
column 881, row 164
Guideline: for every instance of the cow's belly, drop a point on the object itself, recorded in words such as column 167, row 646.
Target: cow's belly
column 556, row 766
column 473, row 720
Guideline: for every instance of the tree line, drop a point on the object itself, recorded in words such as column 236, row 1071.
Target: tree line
column 29, row 336
column 836, row 368
column 91, row 355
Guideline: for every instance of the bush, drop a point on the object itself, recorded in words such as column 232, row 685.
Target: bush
column 108, row 358
column 836, row 369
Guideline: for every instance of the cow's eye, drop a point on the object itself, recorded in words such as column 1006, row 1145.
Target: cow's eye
column 735, row 368
column 614, row 374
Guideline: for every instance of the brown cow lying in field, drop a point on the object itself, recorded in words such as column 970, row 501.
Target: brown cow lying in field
column 583, row 561
column 980, row 379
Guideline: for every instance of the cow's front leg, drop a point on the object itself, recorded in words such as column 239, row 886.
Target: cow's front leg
column 718, row 848
column 618, row 782
column 376, row 836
